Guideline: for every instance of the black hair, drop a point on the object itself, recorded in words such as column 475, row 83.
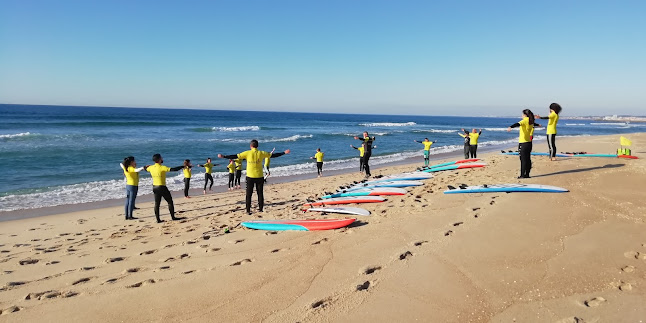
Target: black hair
column 556, row 107
column 157, row 158
column 318, row 149
column 186, row 162
column 530, row 115
column 425, row 138
column 127, row 161
column 254, row 143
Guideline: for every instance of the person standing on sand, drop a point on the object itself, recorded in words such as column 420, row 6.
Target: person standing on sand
column 131, row 172
column 238, row 173
column 553, row 119
column 319, row 161
column 427, row 149
column 525, row 142
column 232, row 168
column 473, row 142
column 158, row 173
column 467, row 140
column 187, row 176
column 367, row 153
column 208, row 167
column 254, row 158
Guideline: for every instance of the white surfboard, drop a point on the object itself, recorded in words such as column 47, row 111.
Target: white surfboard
column 340, row 210
column 503, row 188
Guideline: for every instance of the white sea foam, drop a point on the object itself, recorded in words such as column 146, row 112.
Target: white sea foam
column 495, row 129
column 22, row 134
column 245, row 128
column 388, row 124
column 291, row 138
column 437, row 131
column 575, row 124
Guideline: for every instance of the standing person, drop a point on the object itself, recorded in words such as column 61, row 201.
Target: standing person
column 187, row 177
column 255, row 178
column 238, row 173
column 131, row 172
column 473, row 141
column 361, row 151
column 427, row 149
column 232, row 169
column 319, row 161
column 467, row 140
column 367, row 140
column 525, row 142
column 208, row 167
column 553, row 118
column 158, row 173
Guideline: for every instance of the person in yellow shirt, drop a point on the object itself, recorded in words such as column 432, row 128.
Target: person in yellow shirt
column 427, row 149
column 238, row 172
column 131, row 172
column 366, row 141
column 553, row 119
column 187, row 176
column 158, row 173
column 474, row 135
column 361, row 152
column 254, row 158
column 232, row 169
column 526, row 126
column 319, row 161
column 208, row 168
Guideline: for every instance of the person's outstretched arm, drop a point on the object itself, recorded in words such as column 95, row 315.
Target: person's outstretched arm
column 174, row 169
column 228, row 156
column 515, row 125
column 274, row 155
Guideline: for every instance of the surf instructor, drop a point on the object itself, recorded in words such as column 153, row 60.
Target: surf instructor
column 255, row 159
column 367, row 141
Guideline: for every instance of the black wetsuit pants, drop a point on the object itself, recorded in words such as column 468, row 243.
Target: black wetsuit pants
column 551, row 144
column 525, row 152
column 238, row 176
column 319, row 167
column 366, row 159
column 466, row 151
column 231, row 180
column 258, row 183
column 187, row 184
column 208, row 177
column 361, row 164
column 473, row 149
column 162, row 191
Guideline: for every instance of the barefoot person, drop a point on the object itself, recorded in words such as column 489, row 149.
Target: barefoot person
column 131, row 172
column 208, row 167
column 158, row 173
column 367, row 140
column 526, row 126
column 427, row 149
column 254, row 158
column 232, row 169
column 319, row 161
column 553, row 119
column 187, row 176
column 467, row 140
column 238, row 173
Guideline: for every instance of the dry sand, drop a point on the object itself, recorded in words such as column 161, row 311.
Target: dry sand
column 429, row 257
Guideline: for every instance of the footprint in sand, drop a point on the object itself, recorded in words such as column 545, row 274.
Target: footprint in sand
column 448, row 233
column 115, row 259
column 363, row 286
column 321, row 303
column 10, row 309
column 82, row 280
column 50, row 294
column 142, row 283
column 28, row 261
column 573, row 319
column 625, row 287
column 87, row 268
column 594, row 302
column 320, row 241
column 405, row 255
column 241, row 262
column 419, row 243
column 457, row 224
column 214, row 249
column 148, row 252
column 631, row 254
column 276, row 250
column 132, row 270
column 371, row 270
column 236, row 241
column 188, row 272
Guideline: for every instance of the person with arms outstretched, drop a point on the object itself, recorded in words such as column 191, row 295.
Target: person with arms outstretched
column 427, row 149
column 526, row 126
column 232, row 169
column 319, row 161
column 131, row 172
column 158, row 173
column 467, row 140
column 473, row 141
column 553, row 119
column 208, row 167
column 254, row 158
column 367, row 140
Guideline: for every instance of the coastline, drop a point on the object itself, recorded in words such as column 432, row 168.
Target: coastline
column 426, row 256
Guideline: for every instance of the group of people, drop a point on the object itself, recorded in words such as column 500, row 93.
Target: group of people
column 256, row 159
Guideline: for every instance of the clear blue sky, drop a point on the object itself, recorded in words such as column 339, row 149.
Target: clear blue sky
column 402, row 57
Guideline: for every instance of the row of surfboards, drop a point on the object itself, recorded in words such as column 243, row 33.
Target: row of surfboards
column 372, row 191
column 580, row 154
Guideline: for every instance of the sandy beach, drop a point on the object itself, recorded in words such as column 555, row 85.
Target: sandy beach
column 426, row 256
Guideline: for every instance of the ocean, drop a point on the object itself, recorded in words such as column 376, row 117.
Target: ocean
column 58, row 155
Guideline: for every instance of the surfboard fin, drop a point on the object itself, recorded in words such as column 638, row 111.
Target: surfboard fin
column 452, row 187
column 463, row 186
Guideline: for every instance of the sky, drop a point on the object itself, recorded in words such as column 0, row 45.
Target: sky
column 475, row 58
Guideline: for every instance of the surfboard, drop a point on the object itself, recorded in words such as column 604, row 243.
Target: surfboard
column 515, row 153
column 461, row 161
column 456, row 166
column 298, row 225
column 366, row 193
column 417, row 176
column 603, row 155
column 384, row 184
column 502, row 188
column 347, row 200
column 340, row 210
